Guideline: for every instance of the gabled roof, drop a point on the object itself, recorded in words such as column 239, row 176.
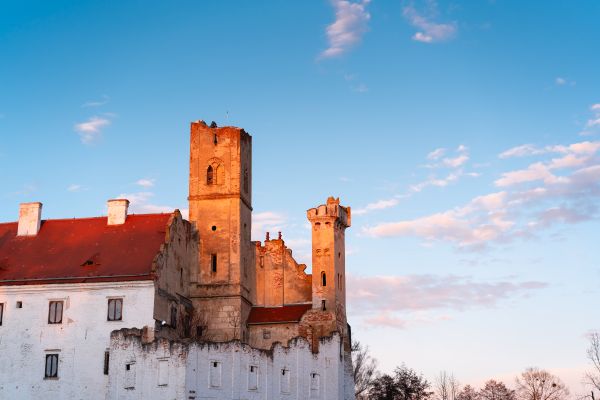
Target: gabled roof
column 278, row 315
column 82, row 250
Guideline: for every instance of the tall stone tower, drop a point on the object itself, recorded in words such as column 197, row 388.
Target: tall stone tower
column 329, row 222
column 220, row 204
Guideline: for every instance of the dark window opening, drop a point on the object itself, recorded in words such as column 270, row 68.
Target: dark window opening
column 246, row 180
column 55, row 312
column 214, row 228
column 127, row 367
column 252, row 368
column 187, row 326
column 213, row 263
column 106, row 362
column 19, row 304
column 324, row 279
column 115, row 310
column 210, row 175
column 181, row 278
column 323, row 308
column 215, row 141
column 51, row 366
column 1, row 313
column 174, row 317
column 215, row 364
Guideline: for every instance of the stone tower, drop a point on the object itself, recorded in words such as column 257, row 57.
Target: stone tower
column 329, row 222
column 220, row 205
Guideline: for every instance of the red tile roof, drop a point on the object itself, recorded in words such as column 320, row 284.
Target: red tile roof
column 275, row 315
column 82, row 250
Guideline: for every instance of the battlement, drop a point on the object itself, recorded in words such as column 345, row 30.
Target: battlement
column 331, row 210
column 201, row 125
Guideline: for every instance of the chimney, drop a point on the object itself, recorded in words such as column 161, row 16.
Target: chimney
column 117, row 211
column 30, row 219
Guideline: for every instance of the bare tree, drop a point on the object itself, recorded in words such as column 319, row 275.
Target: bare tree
column 494, row 390
column 364, row 371
column 537, row 384
column 446, row 386
column 593, row 352
column 454, row 387
column 468, row 393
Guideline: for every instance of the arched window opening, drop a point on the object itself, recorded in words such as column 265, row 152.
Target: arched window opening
column 323, row 279
column 210, row 175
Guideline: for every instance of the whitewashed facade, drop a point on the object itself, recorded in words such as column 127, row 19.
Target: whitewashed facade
column 197, row 371
column 80, row 340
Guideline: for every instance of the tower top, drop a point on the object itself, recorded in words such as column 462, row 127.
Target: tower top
column 331, row 210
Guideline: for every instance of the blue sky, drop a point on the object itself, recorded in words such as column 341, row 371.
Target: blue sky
column 464, row 135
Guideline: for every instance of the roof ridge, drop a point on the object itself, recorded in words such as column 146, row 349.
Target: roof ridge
column 90, row 218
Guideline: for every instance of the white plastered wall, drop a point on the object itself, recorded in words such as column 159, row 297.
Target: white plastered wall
column 80, row 340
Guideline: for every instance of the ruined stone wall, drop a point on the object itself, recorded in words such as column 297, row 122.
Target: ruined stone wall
column 231, row 370
column 262, row 336
column 175, row 265
column 279, row 278
column 80, row 340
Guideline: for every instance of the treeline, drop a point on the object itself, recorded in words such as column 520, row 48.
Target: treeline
column 406, row 384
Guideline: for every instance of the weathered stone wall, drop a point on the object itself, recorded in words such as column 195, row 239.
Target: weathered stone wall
column 279, row 278
column 80, row 340
column 262, row 336
column 230, row 370
column 174, row 265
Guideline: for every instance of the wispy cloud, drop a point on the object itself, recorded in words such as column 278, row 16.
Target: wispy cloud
column 378, row 205
column 592, row 126
column 429, row 30
column 96, row 103
column 395, row 301
column 436, row 154
column 267, row 221
column 560, row 81
column 145, row 182
column 141, row 203
column 91, row 130
column 351, row 23
column 559, row 190
column 74, row 188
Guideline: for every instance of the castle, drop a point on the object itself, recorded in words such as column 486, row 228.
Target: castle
column 155, row 306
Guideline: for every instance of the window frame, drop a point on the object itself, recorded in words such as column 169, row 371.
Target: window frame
column 48, row 373
column 54, row 314
column 116, row 300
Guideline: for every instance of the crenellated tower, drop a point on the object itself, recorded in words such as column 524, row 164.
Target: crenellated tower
column 220, row 205
column 329, row 222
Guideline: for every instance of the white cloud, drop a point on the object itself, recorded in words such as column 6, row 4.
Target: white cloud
column 267, row 221
column 436, row 154
column 395, row 301
column 429, row 31
column 592, row 125
column 351, row 23
column 90, row 130
column 96, row 103
column 140, row 203
column 74, row 188
column 378, row 205
column 145, row 182
column 515, row 212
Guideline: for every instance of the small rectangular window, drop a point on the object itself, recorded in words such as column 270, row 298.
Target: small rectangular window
column 315, row 385
column 253, row 378
column 19, row 304
column 266, row 334
column 213, row 263
column 55, row 312
column 173, row 317
column 163, row 372
column 129, row 375
column 1, row 312
column 106, row 362
column 51, row 366
column 285, row 381
column 215, row 374
column 115, row 310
